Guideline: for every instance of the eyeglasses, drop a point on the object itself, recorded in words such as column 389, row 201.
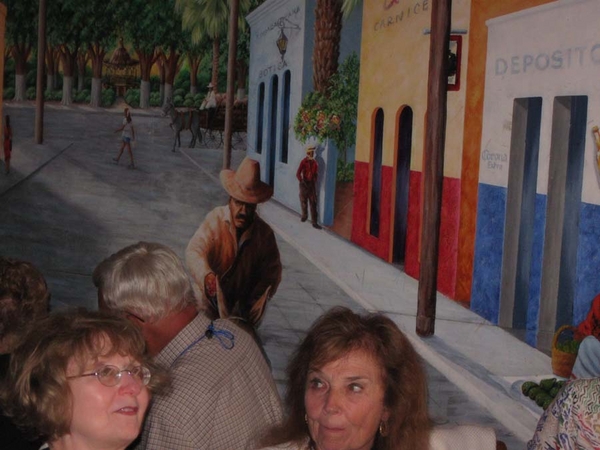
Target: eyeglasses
column 111, row 375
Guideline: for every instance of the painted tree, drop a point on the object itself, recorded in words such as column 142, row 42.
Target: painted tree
column 242, row 62
column 210, row 18
column 174, row 44
column 83, row 58
column 328, row 32
column 52, row 61
column 161, row 76
column 65, row 22
column 194, row 55
column 21, row 35
column 142, row 26
column 348, row 6
column 170, row 42
column 326, row 52
column 97, row 33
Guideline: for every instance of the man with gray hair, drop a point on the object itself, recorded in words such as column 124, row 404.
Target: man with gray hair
column 223, row 395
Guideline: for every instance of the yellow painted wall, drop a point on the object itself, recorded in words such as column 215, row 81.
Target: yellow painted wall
column 394, row 72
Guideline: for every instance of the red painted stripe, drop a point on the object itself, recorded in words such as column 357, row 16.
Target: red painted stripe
column 450, row 214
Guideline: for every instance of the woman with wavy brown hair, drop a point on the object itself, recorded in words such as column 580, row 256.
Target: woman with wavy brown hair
column 81, row 381
column 355, row 383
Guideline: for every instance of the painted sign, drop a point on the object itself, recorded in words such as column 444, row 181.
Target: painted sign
column 279, row 23
column 557, row 59
column 400, row 15
column 494, row 160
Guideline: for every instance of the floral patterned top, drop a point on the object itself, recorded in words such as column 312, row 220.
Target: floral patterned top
column 572, row 421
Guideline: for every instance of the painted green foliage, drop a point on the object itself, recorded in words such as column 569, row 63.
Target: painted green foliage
column 333, row 116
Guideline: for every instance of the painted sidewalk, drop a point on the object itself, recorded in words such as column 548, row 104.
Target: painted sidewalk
column 69, row 189
column 480, row 358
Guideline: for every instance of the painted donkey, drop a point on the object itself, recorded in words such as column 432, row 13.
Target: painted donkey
column 183, row 120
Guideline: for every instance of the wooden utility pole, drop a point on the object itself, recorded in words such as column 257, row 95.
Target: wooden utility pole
column 39, row 86
column 234, row 8
column 433, row 169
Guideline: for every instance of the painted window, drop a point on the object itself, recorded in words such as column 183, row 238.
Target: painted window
column 285, row 123
column 273, row 129
column 260, row 117
column 376, row 174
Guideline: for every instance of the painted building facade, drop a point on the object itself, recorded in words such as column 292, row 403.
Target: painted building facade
column 521, row 186
column 277, row 84
column 537, row 241
column 391, row 134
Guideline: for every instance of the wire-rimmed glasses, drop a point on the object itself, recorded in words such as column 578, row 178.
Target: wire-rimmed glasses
column 111, row 375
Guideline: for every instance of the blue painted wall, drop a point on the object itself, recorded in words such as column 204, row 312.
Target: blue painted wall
column 588, row 261
column 298, row 19
column 489, row 241
column 489, row 238
column 535, row 278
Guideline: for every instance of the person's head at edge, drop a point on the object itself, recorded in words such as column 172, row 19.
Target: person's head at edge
column 49, row 389
column 392, row 412
column 245, row 191
column 148, row 282
column 24, row 299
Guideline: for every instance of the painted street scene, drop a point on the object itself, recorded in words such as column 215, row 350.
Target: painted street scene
column 330, row 225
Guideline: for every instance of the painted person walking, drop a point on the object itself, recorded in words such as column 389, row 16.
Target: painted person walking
column 7, row 143
column 307, row 176
column 127, row 135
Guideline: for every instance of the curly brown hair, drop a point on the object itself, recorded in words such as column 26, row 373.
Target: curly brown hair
column 334, row 335
column 37, row 394
column 24, row 299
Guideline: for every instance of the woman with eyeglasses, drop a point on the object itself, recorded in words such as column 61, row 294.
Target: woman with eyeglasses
column 81, row 380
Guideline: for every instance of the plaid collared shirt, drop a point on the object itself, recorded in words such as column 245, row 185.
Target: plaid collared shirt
column 220, row 398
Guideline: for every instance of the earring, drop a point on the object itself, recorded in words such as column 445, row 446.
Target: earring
column 383, row 431
column 306, row 418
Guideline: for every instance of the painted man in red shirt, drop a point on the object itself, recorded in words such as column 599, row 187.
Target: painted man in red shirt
column 307, row 176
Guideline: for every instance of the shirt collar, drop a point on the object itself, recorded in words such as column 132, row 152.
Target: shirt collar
column 184, row 338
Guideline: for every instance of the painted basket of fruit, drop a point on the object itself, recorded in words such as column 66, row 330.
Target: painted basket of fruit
column 563, row 353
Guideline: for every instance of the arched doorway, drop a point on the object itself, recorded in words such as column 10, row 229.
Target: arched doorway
column 402, row 164
column 272, row 148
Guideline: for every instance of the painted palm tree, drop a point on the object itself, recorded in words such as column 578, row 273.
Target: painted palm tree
column 348, row 6
column 328, row 31
column 209, row 18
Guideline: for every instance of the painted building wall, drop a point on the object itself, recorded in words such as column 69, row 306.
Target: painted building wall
column 546, row 52
column 481, row 11
column 394, row 74
column 297, row 19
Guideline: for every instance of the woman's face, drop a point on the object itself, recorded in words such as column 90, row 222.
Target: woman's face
column 344, row 402
column 112, row 416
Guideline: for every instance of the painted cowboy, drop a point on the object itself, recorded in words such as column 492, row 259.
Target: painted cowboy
column 233, row 256
column 307, row 176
